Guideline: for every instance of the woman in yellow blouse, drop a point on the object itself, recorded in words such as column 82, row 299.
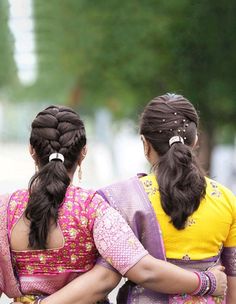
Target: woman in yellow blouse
column 194, row 216
column 197, row 215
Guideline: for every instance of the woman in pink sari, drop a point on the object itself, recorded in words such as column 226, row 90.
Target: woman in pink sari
column 56, row 230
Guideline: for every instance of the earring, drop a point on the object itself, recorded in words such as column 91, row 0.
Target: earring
column 80, row 174
column 146, row 155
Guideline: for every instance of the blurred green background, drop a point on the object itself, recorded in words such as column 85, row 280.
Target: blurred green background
column 114, row 56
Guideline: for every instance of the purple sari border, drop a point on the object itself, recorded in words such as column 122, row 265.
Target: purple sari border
column 229, row 260
column 130, row 199
column 212, row 259
column 155, row 223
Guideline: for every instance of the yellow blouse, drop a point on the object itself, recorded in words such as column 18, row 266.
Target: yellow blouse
column 208, row 229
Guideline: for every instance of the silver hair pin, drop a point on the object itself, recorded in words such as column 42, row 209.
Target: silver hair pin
column 56, row 156
column 175, row 139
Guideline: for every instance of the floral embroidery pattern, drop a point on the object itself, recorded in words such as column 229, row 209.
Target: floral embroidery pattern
column 149, row 188
column 186, row 257
column 190, row 221
column 116, row 242
column 96, row 222
column 76, row 219
column 215, row 191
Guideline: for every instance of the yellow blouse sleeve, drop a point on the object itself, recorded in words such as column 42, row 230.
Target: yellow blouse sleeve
column 231, row 239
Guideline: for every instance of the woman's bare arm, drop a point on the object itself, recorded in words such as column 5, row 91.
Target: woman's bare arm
column 231, row 291
column 149, row 272
column 88, row 288
column 165, row 277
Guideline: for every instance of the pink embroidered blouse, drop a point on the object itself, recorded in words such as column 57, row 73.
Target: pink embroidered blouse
column 89, row 226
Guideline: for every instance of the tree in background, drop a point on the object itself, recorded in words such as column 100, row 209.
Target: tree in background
column 104, row 53
column 7, row 65
column 201, row 49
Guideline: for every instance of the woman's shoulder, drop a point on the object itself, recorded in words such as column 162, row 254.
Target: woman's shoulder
column 19, row 192
column 79, row 191
column 19, row 195
column 17, row 203
column 213, row 184
column 217, row 190
column 122, row 184
column 83, row 196
column 86, row 203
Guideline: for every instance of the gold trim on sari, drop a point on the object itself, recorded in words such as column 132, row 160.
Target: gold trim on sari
column 26, row 299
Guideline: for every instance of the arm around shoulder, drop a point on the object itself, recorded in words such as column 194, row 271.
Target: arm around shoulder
column 88, row 288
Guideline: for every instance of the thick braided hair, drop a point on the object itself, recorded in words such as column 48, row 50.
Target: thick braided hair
column 55, row 129
column 180, row 178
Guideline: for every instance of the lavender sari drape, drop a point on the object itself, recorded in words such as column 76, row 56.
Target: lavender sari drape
column 8, row 282
column 130, row 199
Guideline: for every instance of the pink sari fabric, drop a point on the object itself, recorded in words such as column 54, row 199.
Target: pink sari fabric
column 8, row 282
column 76, row 218
column 85, row 220
column 46, row 271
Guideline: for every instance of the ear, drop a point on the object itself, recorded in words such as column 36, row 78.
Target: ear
column 32, row 153
column 195, row 142
column 83, row 153
column 146, row 146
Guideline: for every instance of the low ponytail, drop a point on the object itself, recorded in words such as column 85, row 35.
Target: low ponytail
column 54, row 130
column 181, row 183
column 180, row 178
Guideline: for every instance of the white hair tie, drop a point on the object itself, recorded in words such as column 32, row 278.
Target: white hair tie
column 56, row 156
column 175, row 139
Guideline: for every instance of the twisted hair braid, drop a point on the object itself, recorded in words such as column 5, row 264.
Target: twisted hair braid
column 180, row 178
column 55, row 129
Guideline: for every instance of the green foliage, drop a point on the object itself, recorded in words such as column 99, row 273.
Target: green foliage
column 202, row 57
column 100, row 48
column 7, row 65
column 104, row 53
